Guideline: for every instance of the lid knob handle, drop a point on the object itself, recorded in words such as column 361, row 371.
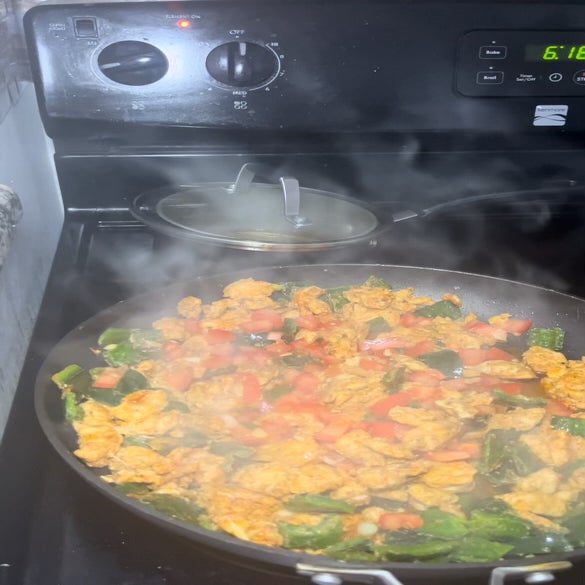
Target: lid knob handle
column 292, row 202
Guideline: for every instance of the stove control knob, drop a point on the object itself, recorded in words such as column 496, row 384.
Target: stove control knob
column 133, row 63
column 242, row 64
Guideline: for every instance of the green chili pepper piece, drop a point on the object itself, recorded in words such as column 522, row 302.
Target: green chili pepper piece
column 543, row 542
column 444, row 525
column 352, row 549
column 446, row 361
column 335, row 298
column 72, row 409
column 498, row 526
column 113, row 336
column 393, row 380
column 377, row 282
column 576, row 526
column 318, row 503
column 473, row 549
column 548, row 338
column 377, row 326
column 440, row 309
column 501, row 397
column 273, row 394
column 297, row 360
column 122, row 354
column 573, row 426
column 329, row 531
column 415, row 551
column 132, row 488
column 173, row 506
column 289, row 330
column 146, row 338
column 64, row 378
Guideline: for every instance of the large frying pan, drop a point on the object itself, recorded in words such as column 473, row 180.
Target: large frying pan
column 482, row 295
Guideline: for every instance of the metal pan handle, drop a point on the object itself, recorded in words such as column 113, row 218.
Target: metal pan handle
column 532, row 574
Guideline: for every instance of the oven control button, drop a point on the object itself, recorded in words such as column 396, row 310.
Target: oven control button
column 132, row 63
column 85, row 27
column 242, row 64
column 579, row 77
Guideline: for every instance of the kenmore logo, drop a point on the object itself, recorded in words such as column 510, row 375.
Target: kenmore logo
column 550, row 115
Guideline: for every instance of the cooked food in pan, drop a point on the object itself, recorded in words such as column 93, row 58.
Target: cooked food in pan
column 361, row 422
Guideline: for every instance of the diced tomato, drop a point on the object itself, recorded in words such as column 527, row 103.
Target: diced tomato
column 178, row 378
column 315, row 350
column 517, row 326
column 215, row 336
column 252, row 355
column 277, row 428
column 222, row 349
column 263, row 321
column 459, row 452
column 420, row 348
column 384, row 429
column 269, row 314
column 425, row 393
column 297, row 403
column 488, row 331
column 472, row 357
column 381, row 343
column 412, row 320
column 109, row 377
column 400, row 521
column 278, row 348
column 258, row 326
column 382, row 407
column 495, row 353
column 310, row 322
column 333, row 431
column 217, row 362
column 306, row 382
column 251, row 391
column 192, row 326
column 369, row 364
column 428, row 377
column 557, row 408
column 513, row 388
column 173, row 350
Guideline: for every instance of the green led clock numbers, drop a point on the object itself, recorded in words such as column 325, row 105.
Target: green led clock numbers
column 563, row 53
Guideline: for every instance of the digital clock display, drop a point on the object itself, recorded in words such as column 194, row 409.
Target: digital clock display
column 560, row 52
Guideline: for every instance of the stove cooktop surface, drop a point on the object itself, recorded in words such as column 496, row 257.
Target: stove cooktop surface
column 61, row 531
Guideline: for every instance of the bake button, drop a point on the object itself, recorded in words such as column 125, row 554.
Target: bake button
column 490, row 77
column 579, row 77
column 493, row 52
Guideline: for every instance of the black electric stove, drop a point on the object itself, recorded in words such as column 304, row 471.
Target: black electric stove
column 404, row 105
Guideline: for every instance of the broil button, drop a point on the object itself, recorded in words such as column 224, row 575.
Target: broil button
column 490, row 77
column 579, row 77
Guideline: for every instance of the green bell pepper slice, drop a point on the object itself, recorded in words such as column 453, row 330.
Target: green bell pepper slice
column 328, row 532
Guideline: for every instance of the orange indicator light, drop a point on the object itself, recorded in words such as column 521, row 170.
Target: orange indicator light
column 184, row 23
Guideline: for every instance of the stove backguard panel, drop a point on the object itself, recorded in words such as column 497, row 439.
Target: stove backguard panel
column 367, row 66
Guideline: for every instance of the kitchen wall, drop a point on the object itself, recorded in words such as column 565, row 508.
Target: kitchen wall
column 26, row 168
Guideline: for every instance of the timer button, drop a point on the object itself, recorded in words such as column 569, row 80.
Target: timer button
column 555, row 77
column 490, row 77
column 579, row 77
column 493, row 52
